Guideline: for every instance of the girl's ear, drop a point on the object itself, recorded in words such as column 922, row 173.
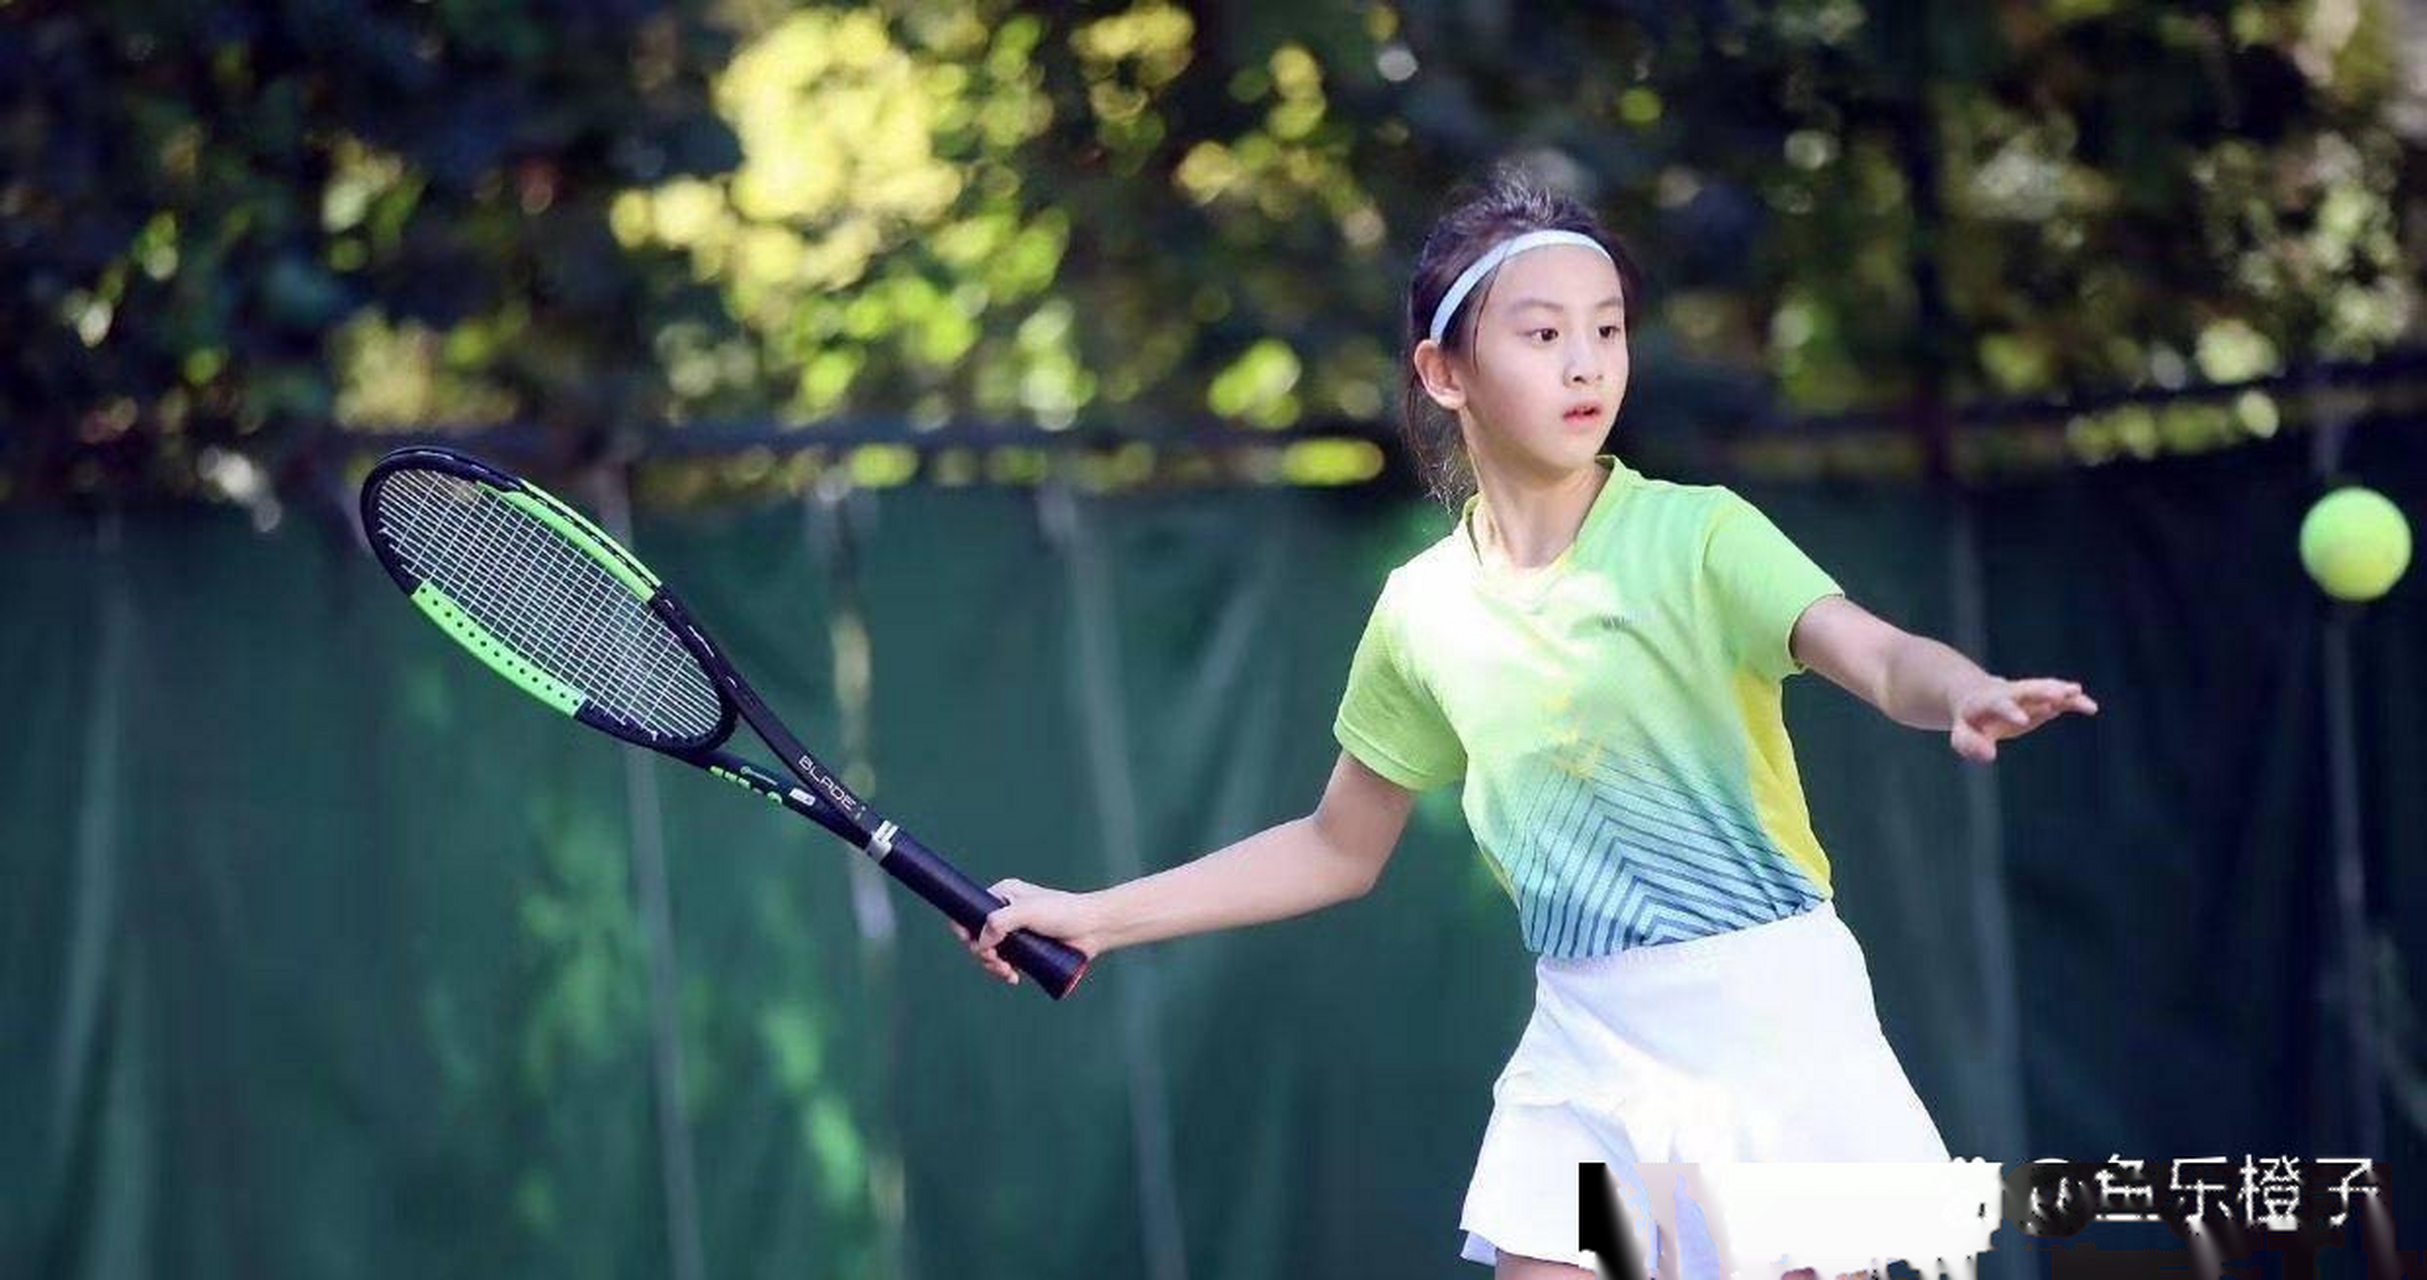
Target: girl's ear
column 1440, row 376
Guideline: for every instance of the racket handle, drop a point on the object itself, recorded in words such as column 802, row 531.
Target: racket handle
column 1055, row 966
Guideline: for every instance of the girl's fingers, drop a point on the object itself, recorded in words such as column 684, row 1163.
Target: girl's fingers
column 1003, row 920
column 2048, row 708
column 992, row 933
column 1020, row 899
column 2064, row 693
column 993, row 964
column 2017, row 709
column 1001, row 924
column 2002, row 718
column 1970, row 743
column 981, row 949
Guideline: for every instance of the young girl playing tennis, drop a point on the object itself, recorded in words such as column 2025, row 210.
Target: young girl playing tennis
column 1596, row 656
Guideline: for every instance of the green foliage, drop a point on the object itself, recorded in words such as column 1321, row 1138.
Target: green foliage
column 232, row 227
column 237, row 232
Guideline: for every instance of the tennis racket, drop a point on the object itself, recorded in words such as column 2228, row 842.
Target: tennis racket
column 555, row 606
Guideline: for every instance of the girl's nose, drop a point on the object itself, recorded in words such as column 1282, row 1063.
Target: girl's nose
column 1583, row 363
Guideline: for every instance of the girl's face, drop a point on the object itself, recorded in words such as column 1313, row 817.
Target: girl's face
column 1543, row 381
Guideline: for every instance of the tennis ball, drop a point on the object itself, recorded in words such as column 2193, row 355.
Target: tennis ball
column 2355, row 543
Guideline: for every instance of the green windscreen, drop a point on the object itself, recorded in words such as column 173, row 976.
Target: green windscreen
column 320, row 952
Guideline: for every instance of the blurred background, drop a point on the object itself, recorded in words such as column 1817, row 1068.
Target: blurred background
column 1012, row 390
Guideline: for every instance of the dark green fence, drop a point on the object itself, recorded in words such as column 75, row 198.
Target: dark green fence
column 324, row 953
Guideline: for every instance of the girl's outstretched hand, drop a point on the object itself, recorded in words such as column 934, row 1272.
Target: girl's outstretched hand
column 1994, row 710
column 1071, row 918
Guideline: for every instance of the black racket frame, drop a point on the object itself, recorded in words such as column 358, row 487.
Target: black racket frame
column 814, row 792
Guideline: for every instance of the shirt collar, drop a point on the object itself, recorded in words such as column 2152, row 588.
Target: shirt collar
column 1622, row 477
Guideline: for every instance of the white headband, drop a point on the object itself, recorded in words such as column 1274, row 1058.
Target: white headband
column 1497, row 254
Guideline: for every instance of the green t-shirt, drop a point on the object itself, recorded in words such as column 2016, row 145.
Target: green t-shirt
column 1615, row 715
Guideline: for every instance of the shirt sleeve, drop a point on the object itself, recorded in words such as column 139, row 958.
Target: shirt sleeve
column 1388, row 718
column 1759, row 583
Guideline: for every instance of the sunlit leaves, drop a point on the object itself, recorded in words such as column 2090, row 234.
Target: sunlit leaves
column 974, row 307
column 872, row 240
column 1331, row 462
column 404, row 374
column 1259, row 387
column 1128, row 58
column 1148, row 214
column 229, row 221
column 837, row 124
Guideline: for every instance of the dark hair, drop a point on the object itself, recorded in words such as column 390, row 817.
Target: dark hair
column 1510, row 202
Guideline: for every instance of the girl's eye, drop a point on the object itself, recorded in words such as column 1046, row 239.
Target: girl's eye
column 1609, row 331
column 1547, row 335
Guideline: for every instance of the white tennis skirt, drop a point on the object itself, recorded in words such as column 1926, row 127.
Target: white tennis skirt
column 1760, row 1044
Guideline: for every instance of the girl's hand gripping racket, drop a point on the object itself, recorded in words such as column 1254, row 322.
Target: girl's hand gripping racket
column 555, row 606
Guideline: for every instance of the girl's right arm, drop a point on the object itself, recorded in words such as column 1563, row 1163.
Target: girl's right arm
column 1331, row 855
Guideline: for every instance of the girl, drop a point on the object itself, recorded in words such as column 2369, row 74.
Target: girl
column 1596, row 656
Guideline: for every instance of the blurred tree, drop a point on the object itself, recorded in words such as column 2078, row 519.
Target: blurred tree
column 1149, row 213
column 1146, row 215
column 225, row 227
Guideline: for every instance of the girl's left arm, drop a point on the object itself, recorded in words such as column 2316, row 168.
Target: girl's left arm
column 1918, row 681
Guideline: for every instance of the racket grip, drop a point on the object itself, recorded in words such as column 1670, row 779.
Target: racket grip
column 1055, row 966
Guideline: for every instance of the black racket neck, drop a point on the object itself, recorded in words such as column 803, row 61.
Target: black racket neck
column 843, row 812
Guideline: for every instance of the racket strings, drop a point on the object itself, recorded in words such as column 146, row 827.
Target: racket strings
column 549, row 600
column 556, row 600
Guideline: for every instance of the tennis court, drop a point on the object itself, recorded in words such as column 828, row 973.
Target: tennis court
column 1014, row 395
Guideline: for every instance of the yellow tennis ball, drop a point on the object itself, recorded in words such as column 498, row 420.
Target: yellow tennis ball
column 2355, row 543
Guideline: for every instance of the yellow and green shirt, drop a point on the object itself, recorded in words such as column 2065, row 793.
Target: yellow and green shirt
column 1614, row 714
